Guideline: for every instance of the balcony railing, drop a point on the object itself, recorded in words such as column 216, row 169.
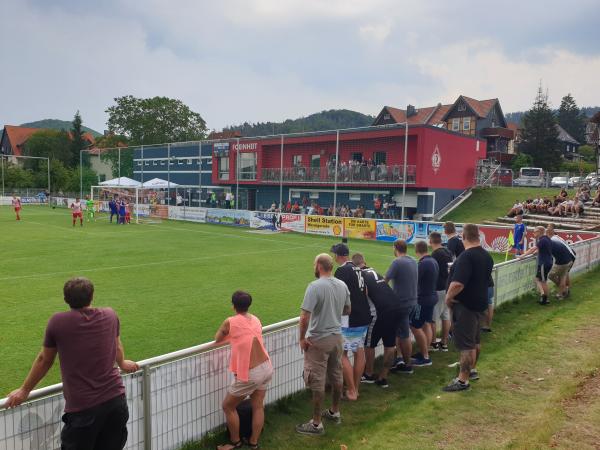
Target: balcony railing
column 381, row 174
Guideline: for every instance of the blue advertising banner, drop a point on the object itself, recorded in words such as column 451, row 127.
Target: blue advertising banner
column 390, row 230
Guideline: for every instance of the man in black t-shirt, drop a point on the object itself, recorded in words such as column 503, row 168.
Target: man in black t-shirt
column 354, row 326
column 468, row 297
column 543, row 248
column 454, row 245
column 389, row 312
column 443, row 257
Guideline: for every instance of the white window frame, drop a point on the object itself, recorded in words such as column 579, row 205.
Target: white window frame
column 180, row 162
column 189, row 161
column 466, row 124
column 295, row 194
column 162, row 162
column 146, row 163
column 462, row 107
column 354, row 197
column 313, row 195
column 455, row 124
column 154, row 162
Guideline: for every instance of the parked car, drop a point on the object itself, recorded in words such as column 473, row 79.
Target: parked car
column 575, row 181
column 560, row 182
column 592, row 175
column 503, row 177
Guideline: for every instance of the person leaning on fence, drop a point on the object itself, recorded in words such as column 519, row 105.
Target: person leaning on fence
column 325, row 300
column 88, row 345
column 543, row 248
column 468, row 297
column 564, row 258
column 251, row 365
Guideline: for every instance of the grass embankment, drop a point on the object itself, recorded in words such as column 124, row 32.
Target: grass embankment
column 489, row 203
column 539, row 388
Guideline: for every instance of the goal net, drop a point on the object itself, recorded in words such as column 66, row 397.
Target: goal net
column 143, row 205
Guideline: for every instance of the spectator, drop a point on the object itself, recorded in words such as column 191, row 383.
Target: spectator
column 88, row 344
column 519, row 235
column 564, row 257
column 251, row 366
column 543, row 248
column 441, row 311
column 354, row 326
column 454, row 244
column 403, row 275
column 325, row 300
column 377, row 207
column 422, row 314
column 467, row 297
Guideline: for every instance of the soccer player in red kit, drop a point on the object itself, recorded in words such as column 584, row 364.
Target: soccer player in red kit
column 16, row 202
column 77, row 212
column 127, row 212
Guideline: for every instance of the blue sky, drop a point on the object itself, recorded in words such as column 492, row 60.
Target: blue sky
column 235, row 60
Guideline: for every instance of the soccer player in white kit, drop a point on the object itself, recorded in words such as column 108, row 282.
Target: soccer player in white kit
column 77, row 212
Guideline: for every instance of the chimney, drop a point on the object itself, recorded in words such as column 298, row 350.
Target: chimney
column 411, row 111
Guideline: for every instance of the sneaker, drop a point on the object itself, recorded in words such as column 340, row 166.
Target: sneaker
column 422, row 362
column 434, row 347
column 443, row 347
column 310, row 429
column 417, row 355
column 398, row 361
column 544, row 301
column 367, row 379
column 334, row 417
column 567, row 293
column 486, row 329
column 474, row 375
column 382, row 383
column 455, row 386
column 402, row 368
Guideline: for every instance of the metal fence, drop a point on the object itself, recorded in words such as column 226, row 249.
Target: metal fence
column 176, row 398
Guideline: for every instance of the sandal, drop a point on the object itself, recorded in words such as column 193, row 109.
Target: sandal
column 238, row 444
column 253, row 446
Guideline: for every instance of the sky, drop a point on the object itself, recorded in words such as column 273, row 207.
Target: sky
column 268, row 60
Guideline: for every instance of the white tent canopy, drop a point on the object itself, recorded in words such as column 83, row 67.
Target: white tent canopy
column 159, row 183
column 121, row 182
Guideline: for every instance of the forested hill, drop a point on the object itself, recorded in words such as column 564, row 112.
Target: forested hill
column 325, row 120
column 516, row 117
column 56, row 124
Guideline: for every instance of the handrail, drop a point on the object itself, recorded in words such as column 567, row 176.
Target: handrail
column 159, row 360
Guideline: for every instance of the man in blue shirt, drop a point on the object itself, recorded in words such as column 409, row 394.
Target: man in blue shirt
column 543, row 248
column 519, row 235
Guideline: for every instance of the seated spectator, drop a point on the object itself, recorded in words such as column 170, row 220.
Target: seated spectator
column 516, row 210
column 563, row 193
column 596, row 201
column 251, row 366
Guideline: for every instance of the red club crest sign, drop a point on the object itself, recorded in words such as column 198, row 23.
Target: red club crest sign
column 436, row 159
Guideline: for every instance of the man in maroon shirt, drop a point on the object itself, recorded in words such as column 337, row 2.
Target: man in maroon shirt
column 88, row 344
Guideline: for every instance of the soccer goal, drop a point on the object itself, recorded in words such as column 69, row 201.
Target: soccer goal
column 143, row 205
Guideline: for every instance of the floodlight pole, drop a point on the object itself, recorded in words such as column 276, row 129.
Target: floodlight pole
column 335, row 175
column 168, row 174
column 199, row 177
column 2, row 163
column 237, row 175
column 404, row 174
column 281, row 174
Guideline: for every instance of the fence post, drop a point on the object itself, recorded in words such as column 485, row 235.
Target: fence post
column 147, row 398
column 495, row 287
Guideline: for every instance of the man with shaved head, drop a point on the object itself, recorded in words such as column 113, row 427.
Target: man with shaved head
column 325, row 300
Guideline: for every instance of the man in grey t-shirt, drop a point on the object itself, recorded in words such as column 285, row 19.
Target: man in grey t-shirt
column 325, row 300
column 403, row 273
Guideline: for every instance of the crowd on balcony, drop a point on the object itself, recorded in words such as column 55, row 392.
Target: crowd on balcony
column 383, row 208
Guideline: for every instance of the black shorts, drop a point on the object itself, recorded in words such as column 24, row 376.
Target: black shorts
column 420, row 315
column 384, row 329
column 466, row 325
column 542, row 272
column 101, row 427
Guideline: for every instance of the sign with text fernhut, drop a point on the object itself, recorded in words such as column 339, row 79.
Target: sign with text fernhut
column 245, row 147
column 360, row 228
column 325, row 225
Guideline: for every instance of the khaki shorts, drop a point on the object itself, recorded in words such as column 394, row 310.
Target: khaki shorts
column 441, row 310
column 258, row 380
column 558, row 272
column 322, row 362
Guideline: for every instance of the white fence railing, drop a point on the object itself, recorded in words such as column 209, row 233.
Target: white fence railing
column 177, row 397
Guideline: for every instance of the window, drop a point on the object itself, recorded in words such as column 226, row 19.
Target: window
column 295, row 194
column 296, row 160
column 380, row 158
column 189, row 162
column 354, row 197
column 467, row 124
column 154, row 162
column 455, row 124
column 247, row 166
column 386, row 117
column 223, row 162
column 139, row 163
column 179, row 162
column 314, row 195
column 357, row 157
column 146, row 163
column 462, row 107
column 315, row 161
column 162, row 162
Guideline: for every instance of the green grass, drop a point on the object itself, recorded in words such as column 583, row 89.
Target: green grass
column 539, row 388
column 170, row 283
column 489, row 203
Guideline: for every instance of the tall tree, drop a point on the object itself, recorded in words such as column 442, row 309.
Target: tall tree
column 53, row 144
column 571, row 118
column 540, row 134
column 77, row 140
column 154, row 120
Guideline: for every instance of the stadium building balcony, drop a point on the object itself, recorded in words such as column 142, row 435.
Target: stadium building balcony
column 360, row 174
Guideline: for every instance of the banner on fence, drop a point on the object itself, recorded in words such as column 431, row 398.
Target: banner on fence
column 277, row 221
column 324, row 225
column 360, row 228
column 390, row 230
column 240, row 218
column 192, row 214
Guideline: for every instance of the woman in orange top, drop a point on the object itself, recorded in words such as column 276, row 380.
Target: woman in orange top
column 251, row 366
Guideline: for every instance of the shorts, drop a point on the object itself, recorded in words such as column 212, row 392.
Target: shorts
column 518, row 247
column 490, row 295
column 441, row 310
column 354, row 337
column 466, row 325
column 258, row 380
column 559, row 271
column 383, row 329
column 322, row 362
column 420, row 314
column 17, row 208
column 403, row 322
column 77, row 214
column 542, row 272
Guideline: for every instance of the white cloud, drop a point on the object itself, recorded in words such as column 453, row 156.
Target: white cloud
column 375, row 32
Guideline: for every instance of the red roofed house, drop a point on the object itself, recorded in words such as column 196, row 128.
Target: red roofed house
column 483, row 119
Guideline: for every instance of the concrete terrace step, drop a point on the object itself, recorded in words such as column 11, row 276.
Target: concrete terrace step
column 583, row 220
column 547, row 221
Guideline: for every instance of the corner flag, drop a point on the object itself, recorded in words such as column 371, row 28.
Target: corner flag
column 511, row 243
